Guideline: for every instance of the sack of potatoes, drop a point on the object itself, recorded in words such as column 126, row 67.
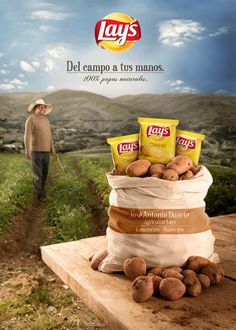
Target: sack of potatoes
column 157, row 208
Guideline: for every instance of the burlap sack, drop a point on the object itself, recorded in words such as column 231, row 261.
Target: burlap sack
column 162, row 221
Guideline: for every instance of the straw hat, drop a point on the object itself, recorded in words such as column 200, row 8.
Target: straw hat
column 40, row 101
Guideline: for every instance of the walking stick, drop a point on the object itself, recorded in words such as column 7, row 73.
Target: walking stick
column 59, row 162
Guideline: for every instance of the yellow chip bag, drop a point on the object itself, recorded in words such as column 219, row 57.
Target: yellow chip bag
column 188, row 143
column 157, row 139
column 124, row 151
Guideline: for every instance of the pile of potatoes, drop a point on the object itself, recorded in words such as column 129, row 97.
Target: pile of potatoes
column 170, row 283
column 173, row 282
column 180, row 168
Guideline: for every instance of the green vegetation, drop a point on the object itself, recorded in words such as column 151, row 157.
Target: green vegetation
column 15, row 187
column 95, row 171
column 221, row 195
column 68, row 205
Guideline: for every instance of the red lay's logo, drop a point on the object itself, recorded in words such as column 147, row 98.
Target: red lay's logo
column 117, row 32
column 127, row 147
column 185, row 143
column 158, row 131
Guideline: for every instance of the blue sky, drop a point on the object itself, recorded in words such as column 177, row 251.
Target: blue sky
column 193, row 40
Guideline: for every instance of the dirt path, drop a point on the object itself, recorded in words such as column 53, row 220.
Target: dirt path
column 31, row 296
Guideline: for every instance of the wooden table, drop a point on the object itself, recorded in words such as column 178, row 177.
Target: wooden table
column 109, row 295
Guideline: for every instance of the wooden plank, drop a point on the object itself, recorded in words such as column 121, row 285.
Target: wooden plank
column 109, row 295
column 224, row 229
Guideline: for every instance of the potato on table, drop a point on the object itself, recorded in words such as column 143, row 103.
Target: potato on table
column 214, row 271
column 142, row 288
column 204, row 280
column 134, row 267
column 196, row 263
column 97, row 258
column 171, row 288
column 192, row 283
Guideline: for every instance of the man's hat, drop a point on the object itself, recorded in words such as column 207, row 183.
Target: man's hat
column 40, row 101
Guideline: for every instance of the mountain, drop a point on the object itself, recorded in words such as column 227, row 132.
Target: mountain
column 82, row 119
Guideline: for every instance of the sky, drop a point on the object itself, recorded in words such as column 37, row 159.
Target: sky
column 194, row 41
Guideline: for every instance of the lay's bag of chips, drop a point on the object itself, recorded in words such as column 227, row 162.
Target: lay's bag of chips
column 189, row 143
column 125, row 150
column 157, row 139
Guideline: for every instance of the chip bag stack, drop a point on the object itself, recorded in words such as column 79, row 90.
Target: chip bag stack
column 157, row 139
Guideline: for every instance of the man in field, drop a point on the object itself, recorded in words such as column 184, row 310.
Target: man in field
column 38, row 143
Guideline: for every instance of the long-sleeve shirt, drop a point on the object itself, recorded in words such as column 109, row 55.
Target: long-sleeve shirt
column 38, row 136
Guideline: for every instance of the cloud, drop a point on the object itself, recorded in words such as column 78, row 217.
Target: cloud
column 3, row 71
column 46, row 28
column 49, row 65
column 178, row 86
column 1, row 55
column 219, row 31
column 36, row 64
column 177, row 32
column 185, row 89
column 43, row 4
column 222, row 92
column 25, row 66
column 13, row 84
column 50, row 88
column 21, row 75
column 49, row 15
column 57, row 52
column 174, row 82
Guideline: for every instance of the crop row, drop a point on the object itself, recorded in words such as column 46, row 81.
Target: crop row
column 68, row 205
column 15, row 187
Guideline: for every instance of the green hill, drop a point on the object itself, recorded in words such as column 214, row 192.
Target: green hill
column 82, row 119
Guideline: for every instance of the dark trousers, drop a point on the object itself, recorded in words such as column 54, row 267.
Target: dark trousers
column 40, row 163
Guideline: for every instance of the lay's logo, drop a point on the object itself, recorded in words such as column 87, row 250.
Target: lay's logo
column 127, row 147
column 117, row 32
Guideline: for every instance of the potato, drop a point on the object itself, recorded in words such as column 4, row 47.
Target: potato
column 187, row 175
column 170, row 175
column 171, row 273
column 97, row 258
column 204, row 280
column 195, row 169
column 156, row 271
column 196, row 263
column 157, row 175
column 192, row 283
column 172, row 288
column 138, row 168
column 134, row 267
column 156, row 169
column 156, row 283
column 142, row 288
column 180, row 164
column 177, row 268
column 214, row 271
